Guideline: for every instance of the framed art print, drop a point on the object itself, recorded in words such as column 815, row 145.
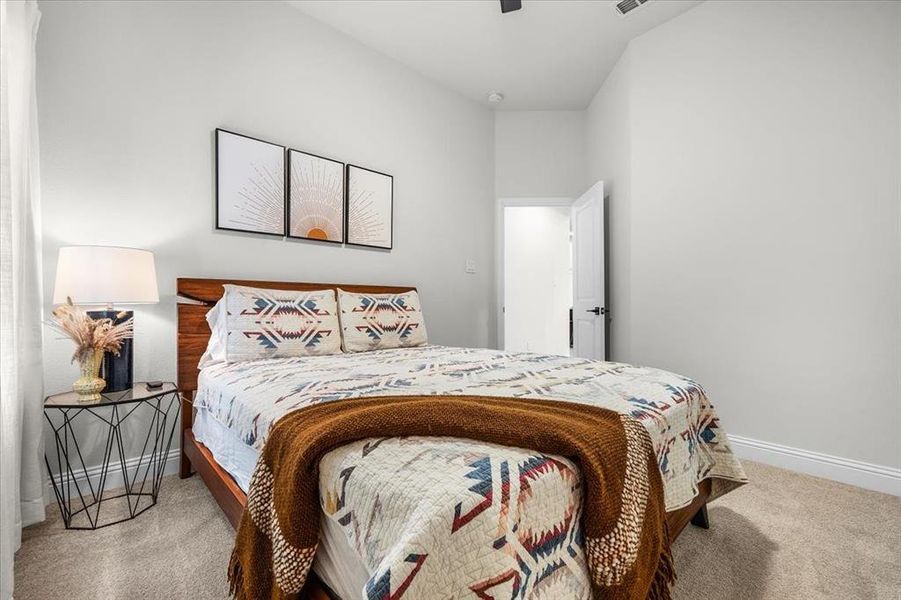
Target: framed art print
column 315, row 197
column 370, row 208
column 250, row 184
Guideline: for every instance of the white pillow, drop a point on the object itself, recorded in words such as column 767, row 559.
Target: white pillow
column 215, row 348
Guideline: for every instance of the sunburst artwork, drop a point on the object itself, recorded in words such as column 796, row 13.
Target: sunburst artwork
column 250, row 184
column 315, row 197
column 370, row 207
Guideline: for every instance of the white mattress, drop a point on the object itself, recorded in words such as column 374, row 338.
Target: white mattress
column 337, row 564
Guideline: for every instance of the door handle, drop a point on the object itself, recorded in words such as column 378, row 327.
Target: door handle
column 597, row 310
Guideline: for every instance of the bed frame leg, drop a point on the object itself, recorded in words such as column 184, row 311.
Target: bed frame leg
column 187, row 417
column 184, row 467
column 701, row 519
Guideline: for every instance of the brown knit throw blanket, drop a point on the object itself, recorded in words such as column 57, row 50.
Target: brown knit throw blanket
column 623, row 517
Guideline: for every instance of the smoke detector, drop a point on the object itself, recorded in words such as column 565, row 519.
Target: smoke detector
column 495, row 97
column 627, row 6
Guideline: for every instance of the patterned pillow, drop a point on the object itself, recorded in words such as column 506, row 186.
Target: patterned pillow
column 264, row 323
column 378, row 321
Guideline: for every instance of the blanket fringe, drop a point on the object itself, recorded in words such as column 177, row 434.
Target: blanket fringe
column 236, row 578
column 665, row 575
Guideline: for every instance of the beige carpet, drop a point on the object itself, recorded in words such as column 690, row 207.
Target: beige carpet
column 783, row 536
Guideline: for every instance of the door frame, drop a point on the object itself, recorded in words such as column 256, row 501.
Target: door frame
column 503, row 203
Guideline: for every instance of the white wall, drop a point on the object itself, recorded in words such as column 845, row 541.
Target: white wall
column 763, row 226
column 537, row 279
column 608, row 131
column 129, row 94
column 539, row 154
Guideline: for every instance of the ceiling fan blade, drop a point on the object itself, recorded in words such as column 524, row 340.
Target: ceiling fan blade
column 510, row 5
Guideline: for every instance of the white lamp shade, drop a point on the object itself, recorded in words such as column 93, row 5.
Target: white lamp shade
column 105, row 275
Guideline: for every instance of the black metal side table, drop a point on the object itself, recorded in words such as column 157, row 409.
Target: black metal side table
column 79, row 490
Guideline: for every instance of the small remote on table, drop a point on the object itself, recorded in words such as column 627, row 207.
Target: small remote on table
column 154, row 384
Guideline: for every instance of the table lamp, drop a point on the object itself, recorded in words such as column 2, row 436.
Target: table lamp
column 108, row 275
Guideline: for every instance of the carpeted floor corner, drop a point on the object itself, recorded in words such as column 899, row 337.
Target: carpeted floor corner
column 784, row 536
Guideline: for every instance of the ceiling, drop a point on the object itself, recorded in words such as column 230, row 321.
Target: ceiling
column 551, row 55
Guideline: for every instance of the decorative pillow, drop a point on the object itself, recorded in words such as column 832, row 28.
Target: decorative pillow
column 265, row 323
column 378, row 321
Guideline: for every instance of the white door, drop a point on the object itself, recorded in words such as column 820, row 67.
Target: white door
column 589, row 312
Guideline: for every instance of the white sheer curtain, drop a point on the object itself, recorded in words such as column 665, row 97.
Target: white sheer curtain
column 21, row 386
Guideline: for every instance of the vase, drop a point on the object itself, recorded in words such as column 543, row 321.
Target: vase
column 90, row 384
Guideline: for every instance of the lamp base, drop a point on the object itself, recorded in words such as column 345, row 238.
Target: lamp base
column 117, row 371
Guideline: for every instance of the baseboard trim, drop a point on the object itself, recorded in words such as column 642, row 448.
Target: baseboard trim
column 114, row 474
column 845, row 470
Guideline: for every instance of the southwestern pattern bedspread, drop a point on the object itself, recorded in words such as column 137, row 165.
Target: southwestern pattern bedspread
column 623, row 524
column 493, row 520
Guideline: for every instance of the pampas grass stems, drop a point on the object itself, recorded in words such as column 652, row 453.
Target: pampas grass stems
column 90, row 334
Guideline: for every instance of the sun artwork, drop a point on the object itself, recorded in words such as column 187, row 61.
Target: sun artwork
column 317, row 198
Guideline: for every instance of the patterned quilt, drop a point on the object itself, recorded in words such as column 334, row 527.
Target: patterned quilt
column 455, row 517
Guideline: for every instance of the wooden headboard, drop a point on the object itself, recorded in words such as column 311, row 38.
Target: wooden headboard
column 194, row 333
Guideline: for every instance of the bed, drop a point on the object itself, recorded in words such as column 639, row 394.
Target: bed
column 227, row 411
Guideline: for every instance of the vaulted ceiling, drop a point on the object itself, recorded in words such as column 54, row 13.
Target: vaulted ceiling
column 551, row 54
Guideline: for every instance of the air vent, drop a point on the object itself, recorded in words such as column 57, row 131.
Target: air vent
column 627, row 6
